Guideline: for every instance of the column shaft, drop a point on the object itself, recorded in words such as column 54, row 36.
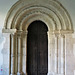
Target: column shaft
column 19, row 56
column 59, row 54
column 12, row 54
column 49, row 54
column 16, row 54
column 63, row 55
column 24, row 47
column 56, row 54
column 50, row 72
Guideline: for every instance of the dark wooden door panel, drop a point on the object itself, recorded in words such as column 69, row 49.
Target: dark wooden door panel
column 32, row 58
column 43, row 55
column 37, row 49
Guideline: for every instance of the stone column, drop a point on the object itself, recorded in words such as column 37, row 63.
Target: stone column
column 59, row 53
column 56, row 54
column 16, row 54
column 63, row 55
column 24, row 48
column 49, row 54
column 19, row 55
column 12, row 52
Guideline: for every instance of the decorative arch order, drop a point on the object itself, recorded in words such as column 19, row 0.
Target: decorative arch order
column 19, row 17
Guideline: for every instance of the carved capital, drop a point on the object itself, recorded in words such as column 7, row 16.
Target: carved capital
column 24, row 33
column 62, row 35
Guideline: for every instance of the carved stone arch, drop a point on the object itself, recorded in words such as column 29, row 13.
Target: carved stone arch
column 53, row 8
column 21, row 15
column 42, row 17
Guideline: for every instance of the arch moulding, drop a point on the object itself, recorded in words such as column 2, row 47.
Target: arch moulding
column 20, row 16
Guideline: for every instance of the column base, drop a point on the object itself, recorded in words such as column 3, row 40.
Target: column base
column 25, row 74
column 58, row 74
column 20, row 73
column 50, row 73
column 12, row 74
column 74, row 72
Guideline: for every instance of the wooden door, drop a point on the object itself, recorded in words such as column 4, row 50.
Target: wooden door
column 37, row 49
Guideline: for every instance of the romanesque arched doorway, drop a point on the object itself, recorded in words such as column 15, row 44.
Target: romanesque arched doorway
column 59, row 24
column 37, row 49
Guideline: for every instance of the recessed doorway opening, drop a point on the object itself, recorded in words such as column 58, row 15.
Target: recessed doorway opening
column 37, row 49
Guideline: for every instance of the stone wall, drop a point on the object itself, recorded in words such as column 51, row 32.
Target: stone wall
column 5, row 54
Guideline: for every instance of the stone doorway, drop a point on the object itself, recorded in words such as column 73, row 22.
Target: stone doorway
column 59, row 24
column 37, row 49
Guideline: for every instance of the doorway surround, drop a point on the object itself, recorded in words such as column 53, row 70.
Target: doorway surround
column 59, row 24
